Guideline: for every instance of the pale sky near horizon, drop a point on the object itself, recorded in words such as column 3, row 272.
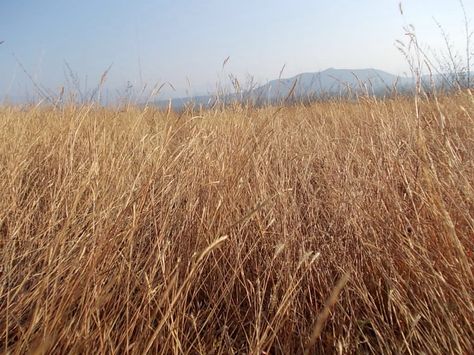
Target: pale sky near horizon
column 186, row 42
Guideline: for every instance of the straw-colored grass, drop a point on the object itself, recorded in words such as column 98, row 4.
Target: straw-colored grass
column 340, row 227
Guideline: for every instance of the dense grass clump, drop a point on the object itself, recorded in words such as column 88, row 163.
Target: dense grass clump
column 339, row 227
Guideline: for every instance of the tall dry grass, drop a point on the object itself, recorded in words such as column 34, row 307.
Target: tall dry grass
column 340, row 227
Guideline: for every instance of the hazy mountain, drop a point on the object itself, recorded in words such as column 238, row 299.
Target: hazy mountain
column 330, row 82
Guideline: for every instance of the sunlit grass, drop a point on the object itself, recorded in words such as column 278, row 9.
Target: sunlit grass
column 336, row 227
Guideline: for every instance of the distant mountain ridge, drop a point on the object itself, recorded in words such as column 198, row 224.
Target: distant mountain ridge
column 332, row 82
column 329, row 82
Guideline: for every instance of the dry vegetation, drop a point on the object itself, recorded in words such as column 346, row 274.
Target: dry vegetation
column 226, row 231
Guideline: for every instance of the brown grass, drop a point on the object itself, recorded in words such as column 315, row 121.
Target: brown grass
column 333, row 228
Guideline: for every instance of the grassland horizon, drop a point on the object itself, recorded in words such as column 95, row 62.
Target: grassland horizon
column 331, row 227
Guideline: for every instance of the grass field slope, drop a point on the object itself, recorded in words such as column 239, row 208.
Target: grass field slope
column 334, row 227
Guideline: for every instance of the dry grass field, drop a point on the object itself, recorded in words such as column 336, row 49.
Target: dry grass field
column 337, row 227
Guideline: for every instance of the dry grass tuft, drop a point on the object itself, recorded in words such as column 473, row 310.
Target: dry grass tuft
column 227, row 231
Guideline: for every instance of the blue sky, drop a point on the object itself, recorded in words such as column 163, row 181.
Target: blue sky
column 185, row 42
